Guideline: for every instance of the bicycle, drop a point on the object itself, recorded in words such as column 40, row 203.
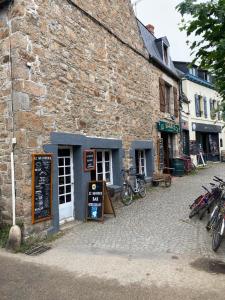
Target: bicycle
column 217, row 219
column 129, row 190
column 204, row 202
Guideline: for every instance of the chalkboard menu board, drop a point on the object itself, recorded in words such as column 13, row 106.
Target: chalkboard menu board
column 89, row 160
column 41, row 187
column 95, row 209
column 160, row 154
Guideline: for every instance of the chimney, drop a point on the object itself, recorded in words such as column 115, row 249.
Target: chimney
column 150, row 28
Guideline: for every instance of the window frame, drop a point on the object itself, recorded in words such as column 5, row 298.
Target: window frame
column 165, row 54
column 142, row 169
column 103, row 151
column 167, row 99
column 193, row 71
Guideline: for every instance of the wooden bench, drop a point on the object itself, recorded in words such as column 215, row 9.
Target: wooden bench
column 159, row 177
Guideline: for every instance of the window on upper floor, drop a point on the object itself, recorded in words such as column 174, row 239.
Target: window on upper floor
column 168, row 97
column 165, row 54
column 205, row 107
column 169, row 102
column 193, row 71
column 213, row 106
column 199, row 106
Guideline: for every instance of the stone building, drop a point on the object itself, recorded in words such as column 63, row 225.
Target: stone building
column 168, row 119
column 202, row 127
column 77, row 76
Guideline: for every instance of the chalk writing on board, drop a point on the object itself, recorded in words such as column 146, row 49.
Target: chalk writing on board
column 42, row 187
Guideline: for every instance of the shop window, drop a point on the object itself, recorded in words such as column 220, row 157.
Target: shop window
column 140, row 160
column 104, row 166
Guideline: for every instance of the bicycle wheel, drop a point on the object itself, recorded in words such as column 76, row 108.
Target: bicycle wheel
column 203, row 211
column 194, row 211
column 206, row 207
column 196, row 202
column 213, row 218
column 216, row 235
column 141, row 188
column 126, row 195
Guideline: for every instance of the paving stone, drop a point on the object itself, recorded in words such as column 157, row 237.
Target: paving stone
column 155, row 225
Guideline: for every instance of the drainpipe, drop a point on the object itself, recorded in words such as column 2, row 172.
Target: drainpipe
column 180, row 115
column 13, row 189
column 13, row 140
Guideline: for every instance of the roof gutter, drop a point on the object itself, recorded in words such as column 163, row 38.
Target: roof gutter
column 159, row 64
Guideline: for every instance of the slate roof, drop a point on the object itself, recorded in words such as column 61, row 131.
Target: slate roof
column 184, row 72
column 150, row 42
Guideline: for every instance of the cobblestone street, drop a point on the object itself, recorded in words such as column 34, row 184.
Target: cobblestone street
column 151, row 250
column 154, row 225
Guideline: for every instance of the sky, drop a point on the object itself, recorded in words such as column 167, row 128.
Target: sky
column 163, row 15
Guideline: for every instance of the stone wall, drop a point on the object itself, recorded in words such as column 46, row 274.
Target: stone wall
column 71, row 74
column 5, row 117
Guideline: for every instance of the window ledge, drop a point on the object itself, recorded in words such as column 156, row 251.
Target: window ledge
column 115, row 188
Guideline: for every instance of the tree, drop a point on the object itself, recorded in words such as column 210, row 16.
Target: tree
column 206, row 22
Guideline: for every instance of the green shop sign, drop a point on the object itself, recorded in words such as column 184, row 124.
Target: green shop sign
column 168, row 127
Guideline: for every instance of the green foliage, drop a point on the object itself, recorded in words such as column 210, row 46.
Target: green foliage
column 4, row 234
column 206, row 21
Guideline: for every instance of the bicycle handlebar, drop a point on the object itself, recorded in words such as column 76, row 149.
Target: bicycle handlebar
column 219, row 179
column 216, row 180
column 205, row 188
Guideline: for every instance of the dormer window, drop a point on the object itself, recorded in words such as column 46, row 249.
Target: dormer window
column 165, row 54
column 207, row 77
column 193, row 71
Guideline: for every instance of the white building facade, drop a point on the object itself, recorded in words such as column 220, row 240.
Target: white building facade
column 202, row 125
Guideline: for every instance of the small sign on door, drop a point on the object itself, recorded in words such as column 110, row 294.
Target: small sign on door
column 89, row 160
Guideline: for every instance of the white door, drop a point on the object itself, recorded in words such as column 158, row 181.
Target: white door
column 66, row 184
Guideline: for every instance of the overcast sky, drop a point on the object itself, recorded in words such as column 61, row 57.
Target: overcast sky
column 163, row 15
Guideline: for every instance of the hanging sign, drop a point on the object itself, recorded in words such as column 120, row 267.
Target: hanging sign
column 41, row 187
column 168, row 127
column 89, row 160
column 99, row 201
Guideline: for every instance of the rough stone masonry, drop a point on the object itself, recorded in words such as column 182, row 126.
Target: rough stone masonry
column 71, row 66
